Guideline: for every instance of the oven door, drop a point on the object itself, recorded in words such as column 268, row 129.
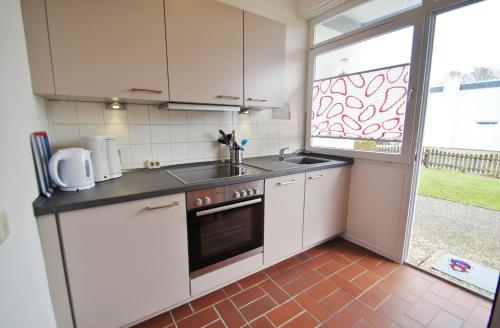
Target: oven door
column 221, row 233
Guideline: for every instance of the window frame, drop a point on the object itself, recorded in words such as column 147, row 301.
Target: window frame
column 415, row 18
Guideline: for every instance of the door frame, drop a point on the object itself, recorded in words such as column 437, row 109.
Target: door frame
column 432, row 9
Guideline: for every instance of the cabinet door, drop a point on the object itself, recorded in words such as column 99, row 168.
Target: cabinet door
column 125, row 262
column 205, row 51
column 324, row 214
column 264, row 61
column 108, row 48
column 283, row 216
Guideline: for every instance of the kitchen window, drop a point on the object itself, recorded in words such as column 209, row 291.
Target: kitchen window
column 360, row 92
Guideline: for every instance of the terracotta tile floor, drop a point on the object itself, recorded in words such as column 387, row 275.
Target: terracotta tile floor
column 336, row 284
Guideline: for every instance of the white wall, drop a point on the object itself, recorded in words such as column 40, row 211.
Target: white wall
column 452, row 115
column 24, row 294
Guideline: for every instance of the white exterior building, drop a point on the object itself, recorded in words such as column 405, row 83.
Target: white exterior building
column 464, row 116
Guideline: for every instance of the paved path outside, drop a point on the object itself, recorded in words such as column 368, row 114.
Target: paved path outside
column 467, row 231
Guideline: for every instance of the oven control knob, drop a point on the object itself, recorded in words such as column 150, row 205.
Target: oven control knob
column 250, row 192
column 207, row 201
column 256, row 190
column 243, row 193
column 237, row 194
column 198, row 202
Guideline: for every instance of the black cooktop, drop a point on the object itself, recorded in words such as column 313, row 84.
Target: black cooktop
column 200, row 173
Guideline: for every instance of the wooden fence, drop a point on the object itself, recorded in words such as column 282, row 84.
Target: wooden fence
column 389, row 149
column 487, row 164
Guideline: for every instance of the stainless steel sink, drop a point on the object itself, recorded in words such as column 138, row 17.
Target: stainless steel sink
column 305, row 160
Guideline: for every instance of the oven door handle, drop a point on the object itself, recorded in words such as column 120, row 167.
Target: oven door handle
column 228, row 207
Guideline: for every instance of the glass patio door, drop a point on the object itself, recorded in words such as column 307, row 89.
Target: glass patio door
column 455, row 229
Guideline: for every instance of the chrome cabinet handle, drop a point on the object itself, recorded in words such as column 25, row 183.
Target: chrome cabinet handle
column 146, row 90
column 286, row 183
column 151, row 208
column 317, row 177
column 227, row 97
column 255, row 99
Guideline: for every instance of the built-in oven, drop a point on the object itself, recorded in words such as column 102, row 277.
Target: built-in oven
column 225, row 225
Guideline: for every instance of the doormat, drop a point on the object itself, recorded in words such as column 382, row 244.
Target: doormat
column 466, row 270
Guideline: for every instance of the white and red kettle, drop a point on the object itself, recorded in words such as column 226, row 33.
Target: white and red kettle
column 71, row 169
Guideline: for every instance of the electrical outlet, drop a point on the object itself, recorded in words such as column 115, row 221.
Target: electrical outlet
column 4, row 226
column 153, row 164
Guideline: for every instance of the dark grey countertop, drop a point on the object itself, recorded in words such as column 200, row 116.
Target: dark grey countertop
column 144, row 183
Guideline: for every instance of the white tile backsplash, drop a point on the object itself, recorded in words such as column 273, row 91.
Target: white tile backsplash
column 177, row 117
column 140, row 154
column 196, row 133
column 120, row 131
column 162, row 152
column 63, row 112
column 115, row 116
column 180, row 152
column 65, row 135
column 139, row 134
column 90, row 130
column 146, row 132
column 138, row 114
column 179, row 133
column 90, row 112
column 195, row 117
column 158, row 116
column 160, row 133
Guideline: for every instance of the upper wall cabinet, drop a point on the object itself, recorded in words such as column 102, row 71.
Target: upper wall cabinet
column 264, row 61
column 113, row 48
column 205, row 51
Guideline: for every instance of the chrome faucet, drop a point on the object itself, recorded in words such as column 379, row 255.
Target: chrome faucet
column 281, row 156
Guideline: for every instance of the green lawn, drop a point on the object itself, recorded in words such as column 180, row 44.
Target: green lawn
column 460, row 187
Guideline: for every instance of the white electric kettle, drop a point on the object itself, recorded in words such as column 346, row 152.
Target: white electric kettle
column 71, row 169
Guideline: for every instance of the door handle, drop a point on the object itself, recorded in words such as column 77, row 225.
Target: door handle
column 227, row 97
column 317, row 177
column 146, row 90
column 286, row 183
column 151, row 208
column 255, row 99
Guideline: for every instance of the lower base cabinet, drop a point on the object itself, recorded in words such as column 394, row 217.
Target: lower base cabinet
column 283, row 213
column 126, row 261
column 324, row 205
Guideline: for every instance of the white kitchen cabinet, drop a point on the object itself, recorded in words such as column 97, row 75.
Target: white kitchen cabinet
column 125, row 262
column 264, row 61
column 113, row 48
column 324, row 205
column 283, row 216
column 205, row 52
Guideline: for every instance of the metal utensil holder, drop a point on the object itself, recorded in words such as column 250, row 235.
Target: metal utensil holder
column 235, row 156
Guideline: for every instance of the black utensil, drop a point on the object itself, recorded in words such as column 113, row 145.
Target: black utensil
column 224, row 136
